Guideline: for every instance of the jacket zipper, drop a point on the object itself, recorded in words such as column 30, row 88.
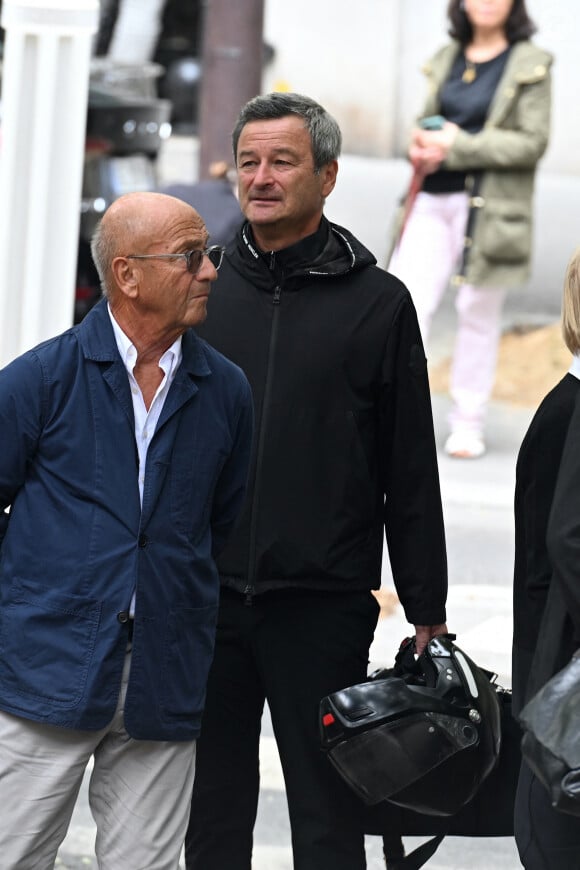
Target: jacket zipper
column 250, row 587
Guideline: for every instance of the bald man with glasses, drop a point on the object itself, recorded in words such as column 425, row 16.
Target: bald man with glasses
column 125, row 450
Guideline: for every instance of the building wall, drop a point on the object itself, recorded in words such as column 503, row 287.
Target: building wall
column 362, row 62
column 338, row 53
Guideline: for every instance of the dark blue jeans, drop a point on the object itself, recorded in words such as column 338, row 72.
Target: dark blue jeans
column 290, row 648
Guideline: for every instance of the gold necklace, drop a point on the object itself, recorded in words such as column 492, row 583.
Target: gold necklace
column 469, row 73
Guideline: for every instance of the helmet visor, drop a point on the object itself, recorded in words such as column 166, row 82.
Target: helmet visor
column 384, row 760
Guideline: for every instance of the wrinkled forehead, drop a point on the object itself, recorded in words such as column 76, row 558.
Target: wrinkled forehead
column 288, row 133
column 167, row 225
column 185, row 226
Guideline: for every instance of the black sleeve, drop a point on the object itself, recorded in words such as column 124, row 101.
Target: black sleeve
column 536, row 474
column 563, row 538
column 412, row 513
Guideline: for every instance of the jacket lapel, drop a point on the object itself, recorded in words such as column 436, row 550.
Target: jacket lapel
column 183, row 390
column 194, row 365
column 97, row 340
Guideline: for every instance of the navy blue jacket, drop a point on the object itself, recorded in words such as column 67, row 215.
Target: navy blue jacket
column 76, row 542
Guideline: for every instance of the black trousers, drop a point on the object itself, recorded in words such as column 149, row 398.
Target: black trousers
column 547, row 839
column 290, row 648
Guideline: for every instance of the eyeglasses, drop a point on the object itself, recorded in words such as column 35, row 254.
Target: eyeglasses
column 193, row 259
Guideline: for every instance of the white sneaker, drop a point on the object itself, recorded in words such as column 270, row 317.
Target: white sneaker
column 465, row 445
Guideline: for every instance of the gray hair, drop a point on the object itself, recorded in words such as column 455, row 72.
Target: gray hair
column 324, row 132
column 103, row 251
column 108, row 235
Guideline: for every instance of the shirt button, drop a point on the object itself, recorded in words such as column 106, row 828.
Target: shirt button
column 143, row 540
column 123, row 617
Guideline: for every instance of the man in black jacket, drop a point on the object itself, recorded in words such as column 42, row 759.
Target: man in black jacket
column 344, row 450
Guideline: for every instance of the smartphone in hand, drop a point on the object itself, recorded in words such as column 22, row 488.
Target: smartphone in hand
column 432, row 122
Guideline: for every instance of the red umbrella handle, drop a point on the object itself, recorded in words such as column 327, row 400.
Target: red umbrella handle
column 414, row 187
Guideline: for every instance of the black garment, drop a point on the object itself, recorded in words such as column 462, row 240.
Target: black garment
column 344, row 444
column 258, row 655
column 563, row 537
column 344, row 449
column 545, row 503
column 546, row 839
column 467, row 105
column 536, row 474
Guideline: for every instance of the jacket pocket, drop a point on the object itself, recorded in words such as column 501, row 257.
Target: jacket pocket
column 47, row 641
column 188, row 651
column 505, row 232
column 193, row 481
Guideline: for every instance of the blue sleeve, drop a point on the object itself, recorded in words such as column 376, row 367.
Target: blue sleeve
column 21, row 398
column 21, row 413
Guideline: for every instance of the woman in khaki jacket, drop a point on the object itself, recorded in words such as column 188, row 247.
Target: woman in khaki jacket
column 472, row 218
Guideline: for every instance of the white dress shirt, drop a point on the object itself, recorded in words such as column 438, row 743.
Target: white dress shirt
column 145, row 420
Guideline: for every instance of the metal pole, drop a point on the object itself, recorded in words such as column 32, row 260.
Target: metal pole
column 231, row 73
column 45, row 78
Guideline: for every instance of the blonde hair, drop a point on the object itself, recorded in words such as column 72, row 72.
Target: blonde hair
column 571, row 304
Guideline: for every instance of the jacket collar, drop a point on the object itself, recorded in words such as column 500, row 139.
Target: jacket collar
column 296, row 256
column 97, row 340
column 527, row 63
column 329, row 252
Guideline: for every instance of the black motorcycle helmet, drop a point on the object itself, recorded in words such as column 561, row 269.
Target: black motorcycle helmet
column 424, row 735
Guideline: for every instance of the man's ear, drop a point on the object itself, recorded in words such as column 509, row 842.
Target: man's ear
column 329, row 172
column 126, row 276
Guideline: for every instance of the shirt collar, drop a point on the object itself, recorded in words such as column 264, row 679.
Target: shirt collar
column 169, row 361
column 575, row 367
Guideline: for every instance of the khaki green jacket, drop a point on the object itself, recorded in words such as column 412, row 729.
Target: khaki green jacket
column 498, row 247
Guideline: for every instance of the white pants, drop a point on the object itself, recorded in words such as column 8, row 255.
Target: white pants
column 430, row 248
column 139, row 793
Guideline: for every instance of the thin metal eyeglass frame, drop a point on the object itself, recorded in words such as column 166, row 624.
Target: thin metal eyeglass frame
column 188, row 256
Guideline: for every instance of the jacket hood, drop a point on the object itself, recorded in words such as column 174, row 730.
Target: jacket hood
column 329, row 252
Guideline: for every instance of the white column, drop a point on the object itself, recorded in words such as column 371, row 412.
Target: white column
column 45, row 76
column 136, row 31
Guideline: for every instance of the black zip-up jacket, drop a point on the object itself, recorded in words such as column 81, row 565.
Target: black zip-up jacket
column 344, row 443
